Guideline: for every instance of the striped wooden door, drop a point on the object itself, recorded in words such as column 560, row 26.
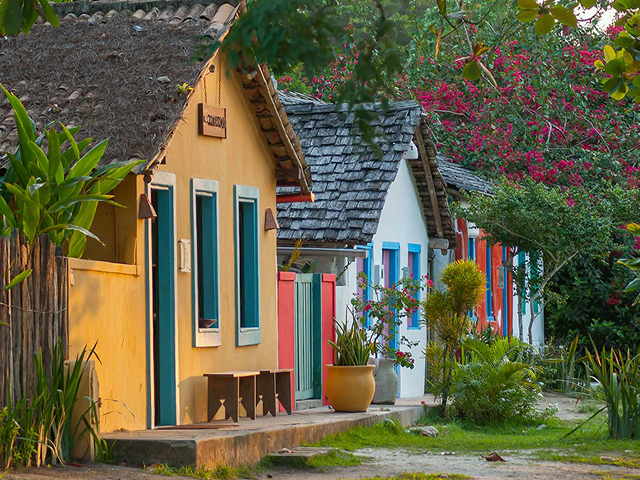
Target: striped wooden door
column 304, row 370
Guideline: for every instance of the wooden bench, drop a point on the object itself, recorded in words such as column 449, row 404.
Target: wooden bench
column 230, row 387
column 234, row 388
column 275, row 385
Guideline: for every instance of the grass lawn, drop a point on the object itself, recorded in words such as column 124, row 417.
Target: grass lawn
column 590, row 442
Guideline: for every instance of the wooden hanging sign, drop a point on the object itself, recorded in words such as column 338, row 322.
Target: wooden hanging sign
column 212, row 121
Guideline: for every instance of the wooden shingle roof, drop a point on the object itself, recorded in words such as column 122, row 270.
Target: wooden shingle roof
column 351, row 180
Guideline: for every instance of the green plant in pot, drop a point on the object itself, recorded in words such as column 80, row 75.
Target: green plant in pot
column 350, row 383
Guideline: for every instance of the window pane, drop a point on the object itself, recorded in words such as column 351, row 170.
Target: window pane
column 206, row 237
column 248, row 263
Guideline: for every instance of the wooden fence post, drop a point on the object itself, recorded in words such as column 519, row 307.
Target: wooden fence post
column 35, row 312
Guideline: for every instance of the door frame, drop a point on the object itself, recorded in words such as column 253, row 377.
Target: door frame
column 316, row 332
column 161, row 180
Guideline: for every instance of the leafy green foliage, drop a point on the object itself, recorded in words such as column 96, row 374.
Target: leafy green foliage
column 618, row 374
column 490, row 384
column 633, row 264
column 20, row 15
column 383, row 314
column 587, row 299
column 55, row 192
column 554, row 224
column 447, row 314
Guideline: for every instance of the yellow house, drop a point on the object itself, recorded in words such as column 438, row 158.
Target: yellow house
column 185, row 283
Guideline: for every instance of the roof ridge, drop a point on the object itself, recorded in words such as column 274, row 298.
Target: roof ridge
column 312, row 107
column 89, row 7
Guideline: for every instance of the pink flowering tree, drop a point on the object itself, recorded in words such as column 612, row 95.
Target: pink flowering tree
column 550, row 223
column 383, row 314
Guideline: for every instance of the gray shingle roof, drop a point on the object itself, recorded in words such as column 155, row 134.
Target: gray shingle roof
column 350, row 180
column 460, row 178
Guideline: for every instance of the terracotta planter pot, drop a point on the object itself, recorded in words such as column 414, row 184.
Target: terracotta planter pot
column 350, row 389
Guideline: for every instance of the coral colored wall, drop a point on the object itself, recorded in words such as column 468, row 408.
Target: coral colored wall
column 497, row 297
column 286, row 324
column 328, row 332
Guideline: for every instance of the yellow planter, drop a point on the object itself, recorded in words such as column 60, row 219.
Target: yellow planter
column 350, row 389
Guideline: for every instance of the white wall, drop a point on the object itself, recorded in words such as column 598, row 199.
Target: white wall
column 538, row 325
column 402, row 221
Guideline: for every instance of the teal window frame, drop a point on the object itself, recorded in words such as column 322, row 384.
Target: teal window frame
column 208, row 191
column 522, row 260
column 247, row 271
column 414, row 250
column 489, row 294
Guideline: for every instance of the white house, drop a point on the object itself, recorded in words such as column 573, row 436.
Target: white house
column 381, row 213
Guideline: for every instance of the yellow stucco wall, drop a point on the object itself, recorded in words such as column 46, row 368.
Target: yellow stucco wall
column 111, row 307
column 243, row 159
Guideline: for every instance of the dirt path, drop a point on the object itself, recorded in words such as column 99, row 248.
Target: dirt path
column 386, row 463
column 381, row 462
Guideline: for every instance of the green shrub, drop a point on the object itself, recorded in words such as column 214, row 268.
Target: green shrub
column 446, row 312
column 490, row 384
column 39, row 429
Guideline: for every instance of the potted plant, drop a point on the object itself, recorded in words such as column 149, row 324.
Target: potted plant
column 381, row 317
column 350, row 383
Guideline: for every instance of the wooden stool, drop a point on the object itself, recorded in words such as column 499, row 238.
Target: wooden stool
column 230, row 387
column 273, row 385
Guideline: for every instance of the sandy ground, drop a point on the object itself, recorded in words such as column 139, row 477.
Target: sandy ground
column 382, row 462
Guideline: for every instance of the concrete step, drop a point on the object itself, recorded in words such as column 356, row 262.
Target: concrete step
column 251, row 440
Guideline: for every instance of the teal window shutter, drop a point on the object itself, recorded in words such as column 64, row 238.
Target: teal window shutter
column 489, row 294
column 205, row 263
column 522, row 262
column 247, row 269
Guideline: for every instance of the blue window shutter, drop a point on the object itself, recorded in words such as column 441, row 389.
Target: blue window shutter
column 414, row 265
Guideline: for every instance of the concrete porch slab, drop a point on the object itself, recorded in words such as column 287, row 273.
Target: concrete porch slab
column 251, row 440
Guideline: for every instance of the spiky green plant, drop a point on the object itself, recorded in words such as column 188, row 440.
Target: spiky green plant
column 618, row 374
column 54, row 192
column 352, row 345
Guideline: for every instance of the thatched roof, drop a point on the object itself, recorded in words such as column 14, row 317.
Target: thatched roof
column 112, row 68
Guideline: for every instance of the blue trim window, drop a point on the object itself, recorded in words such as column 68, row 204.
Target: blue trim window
column 489, row 293
column 390, row 254
column 505, row 299
column 413, row 263
column 472, row 256
column 247, row 258
column 367, row 269
column 205, row 273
